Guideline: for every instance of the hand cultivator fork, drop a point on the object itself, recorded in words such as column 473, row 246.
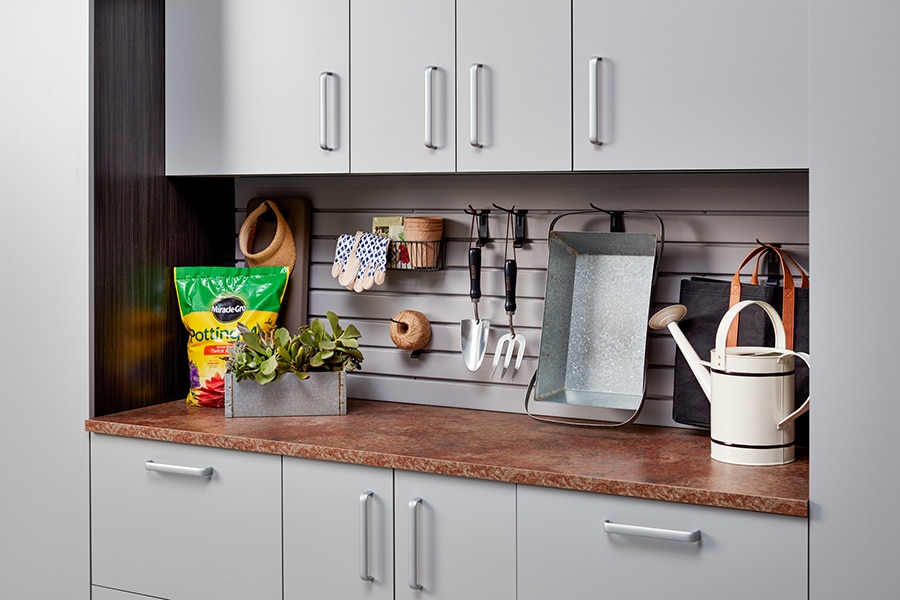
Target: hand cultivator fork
column 511, row 340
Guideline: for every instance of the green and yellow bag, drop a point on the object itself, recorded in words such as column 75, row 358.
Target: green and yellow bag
column 212, row 301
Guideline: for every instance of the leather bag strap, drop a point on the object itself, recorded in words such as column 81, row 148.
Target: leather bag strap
column 788, row 295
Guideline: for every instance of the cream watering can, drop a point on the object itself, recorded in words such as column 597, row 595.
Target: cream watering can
column 750, row 390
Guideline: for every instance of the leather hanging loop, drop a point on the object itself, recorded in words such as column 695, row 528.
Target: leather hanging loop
column 282, row 252
column 787, row 309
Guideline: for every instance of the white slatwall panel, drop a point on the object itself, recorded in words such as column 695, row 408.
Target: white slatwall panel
column 712, row 220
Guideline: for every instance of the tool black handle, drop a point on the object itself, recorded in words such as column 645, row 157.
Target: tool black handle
column 510, row 273
column 474, row 273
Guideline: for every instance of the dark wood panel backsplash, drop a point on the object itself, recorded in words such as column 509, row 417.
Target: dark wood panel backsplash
column 143, row 224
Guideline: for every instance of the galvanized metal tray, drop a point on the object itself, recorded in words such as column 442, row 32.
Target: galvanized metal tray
column 594, row 334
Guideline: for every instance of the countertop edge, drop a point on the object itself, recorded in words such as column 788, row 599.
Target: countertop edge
column 474, row 470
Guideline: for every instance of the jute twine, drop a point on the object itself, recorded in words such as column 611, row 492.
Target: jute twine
column 282, row 252
column 410, row 330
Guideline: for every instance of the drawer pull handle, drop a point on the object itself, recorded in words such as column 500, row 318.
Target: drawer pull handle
column 473, row 105
column 178, row 469
column 324, row 112
column 594, row 101
column 429, row 107
column 414, row 544
column 652, row 532
column 364, row 536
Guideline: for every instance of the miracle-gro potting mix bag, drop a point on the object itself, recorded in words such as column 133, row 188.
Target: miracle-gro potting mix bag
column 212, row 301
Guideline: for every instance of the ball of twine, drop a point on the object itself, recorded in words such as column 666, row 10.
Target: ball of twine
column 410, row 330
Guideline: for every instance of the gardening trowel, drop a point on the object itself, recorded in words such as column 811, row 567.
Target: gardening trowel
column 474, row 332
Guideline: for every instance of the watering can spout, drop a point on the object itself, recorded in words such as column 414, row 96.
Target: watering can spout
column 668, row 318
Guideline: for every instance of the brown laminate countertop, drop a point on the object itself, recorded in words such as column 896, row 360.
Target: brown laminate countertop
column 662, row 463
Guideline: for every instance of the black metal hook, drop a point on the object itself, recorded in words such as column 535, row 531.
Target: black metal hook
column 519, row 228
column 616, row 218
column 482, row 216
column 773, row 264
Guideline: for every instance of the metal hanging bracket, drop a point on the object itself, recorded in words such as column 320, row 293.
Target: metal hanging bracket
column 519, row 227
column 482, row 217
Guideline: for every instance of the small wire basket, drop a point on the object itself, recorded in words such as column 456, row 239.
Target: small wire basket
column 415, row 256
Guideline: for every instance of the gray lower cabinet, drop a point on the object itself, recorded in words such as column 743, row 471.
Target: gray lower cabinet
column 454, row 538
column 177, row 521
column 580, row 545
column 338, row 531
column 354, row 532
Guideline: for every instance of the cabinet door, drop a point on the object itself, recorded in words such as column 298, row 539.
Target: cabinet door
column 514, row 112
column 564, row 551
column 402, row 99
column 185, row 522
column 338, row 531
column 690, row 84
column 257, row 86
column 455, row 537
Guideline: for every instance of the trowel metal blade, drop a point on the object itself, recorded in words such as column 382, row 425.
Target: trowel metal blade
column 474, row 341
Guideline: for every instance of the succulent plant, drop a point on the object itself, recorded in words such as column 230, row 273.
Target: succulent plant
column 264, row 357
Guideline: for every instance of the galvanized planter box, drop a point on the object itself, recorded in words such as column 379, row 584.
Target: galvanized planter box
column 323, row 393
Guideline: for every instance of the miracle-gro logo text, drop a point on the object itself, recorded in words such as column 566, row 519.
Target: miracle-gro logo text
column 228, row 310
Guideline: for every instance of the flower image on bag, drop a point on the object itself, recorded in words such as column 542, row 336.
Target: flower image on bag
column 212, row 301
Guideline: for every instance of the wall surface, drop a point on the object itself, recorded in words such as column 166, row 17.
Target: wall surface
column 711, row 221
column 854, row 212
column 45, row 165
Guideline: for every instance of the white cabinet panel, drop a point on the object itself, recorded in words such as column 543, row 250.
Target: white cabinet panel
column 185, row 535
column 691, row 84
column 403, row 58
column 523, row 105
column 465, row 542
column 564, row 551
column 243, row 86
column 325, row 529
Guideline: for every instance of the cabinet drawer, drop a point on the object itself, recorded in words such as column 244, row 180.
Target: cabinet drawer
column 565, row 552
column 162, row 526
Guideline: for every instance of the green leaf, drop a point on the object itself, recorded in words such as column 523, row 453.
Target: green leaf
column 334, row 321
column 317, row 328
column 282, row 337
column 269, row 366
column 263, row 379
column 251, row 338
column 351, row 332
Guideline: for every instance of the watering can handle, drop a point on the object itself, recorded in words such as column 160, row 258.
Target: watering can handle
column 725, row 324
column 803, row 407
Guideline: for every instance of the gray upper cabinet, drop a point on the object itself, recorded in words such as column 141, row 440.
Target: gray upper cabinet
column 257, row 87
column 402, row 100
column 263, row 87
column 689, row 84
column 513, row 85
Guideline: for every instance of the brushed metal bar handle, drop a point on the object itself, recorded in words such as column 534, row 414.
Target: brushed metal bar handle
column 429, row 107
column 414, row 544
column 178, row 469
column 673, row 535
column 594, row 101
column 364, row 536
column 323, row 110
column 473, row 105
